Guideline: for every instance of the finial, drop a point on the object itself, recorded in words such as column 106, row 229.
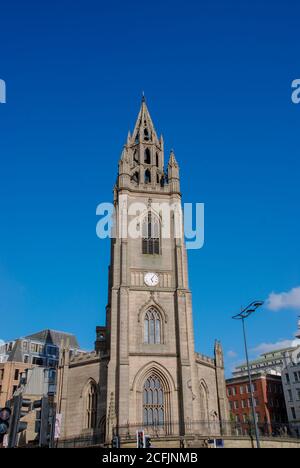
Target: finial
column 143, row 97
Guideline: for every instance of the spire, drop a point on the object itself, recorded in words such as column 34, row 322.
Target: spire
column 173, row 173
column 172, row 160
column 144, row 130
column 142, row 161
column 219, row 357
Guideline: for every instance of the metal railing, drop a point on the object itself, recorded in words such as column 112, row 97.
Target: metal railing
column 190, row 430
column 209, row 429
column 96, row 438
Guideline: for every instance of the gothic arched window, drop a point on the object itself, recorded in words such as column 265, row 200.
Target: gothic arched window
column 91, row 406
column 136, row 177
column 135, row 156
column 147, row 156
column 146, row 135
column 154, row 402
column 157, row 160
column 147, row 177
column 151, row 235
column 204, row 402
column 152, row 327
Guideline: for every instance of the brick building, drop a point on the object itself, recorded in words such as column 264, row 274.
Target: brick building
column 269, row 402
column 9, row 379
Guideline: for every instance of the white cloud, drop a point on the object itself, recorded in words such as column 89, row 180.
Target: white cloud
column 231, row 354
column 268, row 347
column 1, row 342
column 284, row 300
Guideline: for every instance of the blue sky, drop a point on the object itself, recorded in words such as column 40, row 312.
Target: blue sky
column 217, row 77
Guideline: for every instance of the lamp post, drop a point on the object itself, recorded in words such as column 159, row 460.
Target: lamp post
column 245, row 313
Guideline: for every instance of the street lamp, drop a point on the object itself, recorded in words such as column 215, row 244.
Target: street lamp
column 245, row 313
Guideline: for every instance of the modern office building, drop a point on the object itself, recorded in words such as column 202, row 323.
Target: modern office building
column 291, row 385
column 39, row 349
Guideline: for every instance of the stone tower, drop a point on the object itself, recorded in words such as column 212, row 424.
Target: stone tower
column 144, row 371
column 152, row 375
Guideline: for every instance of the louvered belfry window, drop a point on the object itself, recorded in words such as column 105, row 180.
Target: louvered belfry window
column 151, row 235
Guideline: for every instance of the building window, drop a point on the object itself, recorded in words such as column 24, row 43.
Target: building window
column 152, row 327
column 26, row 358
column 147, row 156
column 91, row 407
column 293, row 413
column 52, row 376
column 135, row 156
column 147, row 177
column 290, row 395
column 287, row 378
column 153, row 406
column 37, row 361
column 136, row 177
column 25, row 346
column 241, row 390
column 16, row 376
column 146, row 135
column 151, row 235
column 52, row 350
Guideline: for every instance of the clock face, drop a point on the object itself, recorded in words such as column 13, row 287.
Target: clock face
column 151, row 279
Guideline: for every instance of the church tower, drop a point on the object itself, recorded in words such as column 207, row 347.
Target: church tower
column 152, row 374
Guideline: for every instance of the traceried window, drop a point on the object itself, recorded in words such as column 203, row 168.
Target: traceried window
column 152, row 327
column 151, row 235
column 91, row 407
column 153, row 403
